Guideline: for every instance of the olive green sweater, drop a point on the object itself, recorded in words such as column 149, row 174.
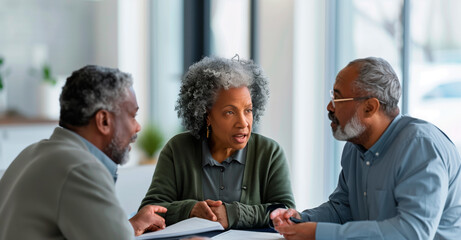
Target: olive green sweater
column 177, row 181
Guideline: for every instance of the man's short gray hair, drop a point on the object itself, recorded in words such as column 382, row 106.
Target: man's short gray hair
column 203, row 81
column 378, row 79
column 89, row 90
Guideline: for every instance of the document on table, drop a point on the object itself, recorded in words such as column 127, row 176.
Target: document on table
column 247, row 235
column 184, row 227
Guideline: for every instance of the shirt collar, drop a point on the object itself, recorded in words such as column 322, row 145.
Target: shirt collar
column 380, row 145
column 105, row 160
column 207, row 158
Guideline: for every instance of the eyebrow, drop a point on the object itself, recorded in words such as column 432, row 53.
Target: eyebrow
column 232, row 106
column 337, row 91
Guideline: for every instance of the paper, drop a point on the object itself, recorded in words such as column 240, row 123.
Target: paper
column 184, row 227
column 247, row 235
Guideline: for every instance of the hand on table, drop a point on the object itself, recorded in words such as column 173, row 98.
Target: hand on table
column 281, row 216
column 305, row 230
column 219, row 211
column 147, row 219
column 211, row 210
column 202, row 210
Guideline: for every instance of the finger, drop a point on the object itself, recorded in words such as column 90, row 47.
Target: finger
column 289, row 213
column 210, row 214
column 159, row 221
column 212, row 203
column 205, row 211
column 277, row 212
column 277, row 221
column 159, row 209
column 286, row 229
column 153, row 228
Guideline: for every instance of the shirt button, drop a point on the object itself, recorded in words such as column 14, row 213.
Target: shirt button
column 368, row 163
column 377, row 154
column 244, row 187
column 222, row 169
column 222, row 187
column 364, row 194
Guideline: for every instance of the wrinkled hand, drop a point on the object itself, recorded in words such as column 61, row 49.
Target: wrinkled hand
column 203, row 210
column 298, row 231
column 219, row 211
column 281, row 217
column 147, row 219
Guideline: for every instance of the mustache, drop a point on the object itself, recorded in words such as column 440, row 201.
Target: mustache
column 333, row 118
column 133, row 138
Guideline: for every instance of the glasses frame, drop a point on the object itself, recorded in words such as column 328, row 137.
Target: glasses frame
column 333, row 100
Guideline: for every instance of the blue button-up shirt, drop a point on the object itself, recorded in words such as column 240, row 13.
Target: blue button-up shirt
column 105, row 160
column 406, row 186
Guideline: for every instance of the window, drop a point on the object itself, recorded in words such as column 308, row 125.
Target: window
column 435, row 70
column 230, row 28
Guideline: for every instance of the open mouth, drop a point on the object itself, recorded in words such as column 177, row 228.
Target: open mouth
column 240, row 138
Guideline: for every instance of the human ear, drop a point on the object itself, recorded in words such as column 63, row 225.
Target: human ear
column 207, row 118
column 371, row 107
column 103, row 120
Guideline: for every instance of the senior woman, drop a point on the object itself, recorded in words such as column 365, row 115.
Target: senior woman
column 220, row 170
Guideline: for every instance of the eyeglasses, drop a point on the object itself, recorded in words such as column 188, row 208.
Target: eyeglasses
column 333, row 100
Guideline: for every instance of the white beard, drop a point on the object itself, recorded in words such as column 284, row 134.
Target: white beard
column 352, row 129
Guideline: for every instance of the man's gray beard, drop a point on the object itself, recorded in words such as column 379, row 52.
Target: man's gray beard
column 352, row 129
column 118, row 155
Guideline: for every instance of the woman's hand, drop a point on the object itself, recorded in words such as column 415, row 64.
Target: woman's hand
column 203, row 210
column 211, row 210
column 220, row 212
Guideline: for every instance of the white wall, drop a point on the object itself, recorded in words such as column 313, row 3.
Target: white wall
column 35, row 32
column 292, row 55
column 276, row 59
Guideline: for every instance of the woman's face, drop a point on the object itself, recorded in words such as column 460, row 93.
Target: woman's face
column 231, row 118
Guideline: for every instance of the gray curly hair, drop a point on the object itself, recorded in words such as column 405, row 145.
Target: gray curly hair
column 90, row 89
column 378, row 79
column 203, row 81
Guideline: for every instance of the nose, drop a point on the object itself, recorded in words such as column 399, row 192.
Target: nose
column 243, row 121
column 138, row 127
column 330, row 107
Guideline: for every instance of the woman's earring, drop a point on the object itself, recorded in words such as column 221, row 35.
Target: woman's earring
column 207, row 131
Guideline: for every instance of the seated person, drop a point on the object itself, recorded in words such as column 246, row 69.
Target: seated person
column 220, row 170
column 63, row 187
column 401, row 176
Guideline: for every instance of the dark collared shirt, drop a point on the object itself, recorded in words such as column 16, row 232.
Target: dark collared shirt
column 222, row 181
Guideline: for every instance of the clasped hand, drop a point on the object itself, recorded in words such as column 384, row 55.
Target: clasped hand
column 290, row 230
column 211, row 210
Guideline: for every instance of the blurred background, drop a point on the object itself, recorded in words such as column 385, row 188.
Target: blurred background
column 301, row 45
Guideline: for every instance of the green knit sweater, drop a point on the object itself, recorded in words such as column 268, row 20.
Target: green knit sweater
column 177, row 181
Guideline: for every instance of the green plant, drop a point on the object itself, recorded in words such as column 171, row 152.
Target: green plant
column 47, row 76
column 150, row 140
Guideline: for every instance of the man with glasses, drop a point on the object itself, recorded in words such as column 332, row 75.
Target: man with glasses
column 401, row 176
